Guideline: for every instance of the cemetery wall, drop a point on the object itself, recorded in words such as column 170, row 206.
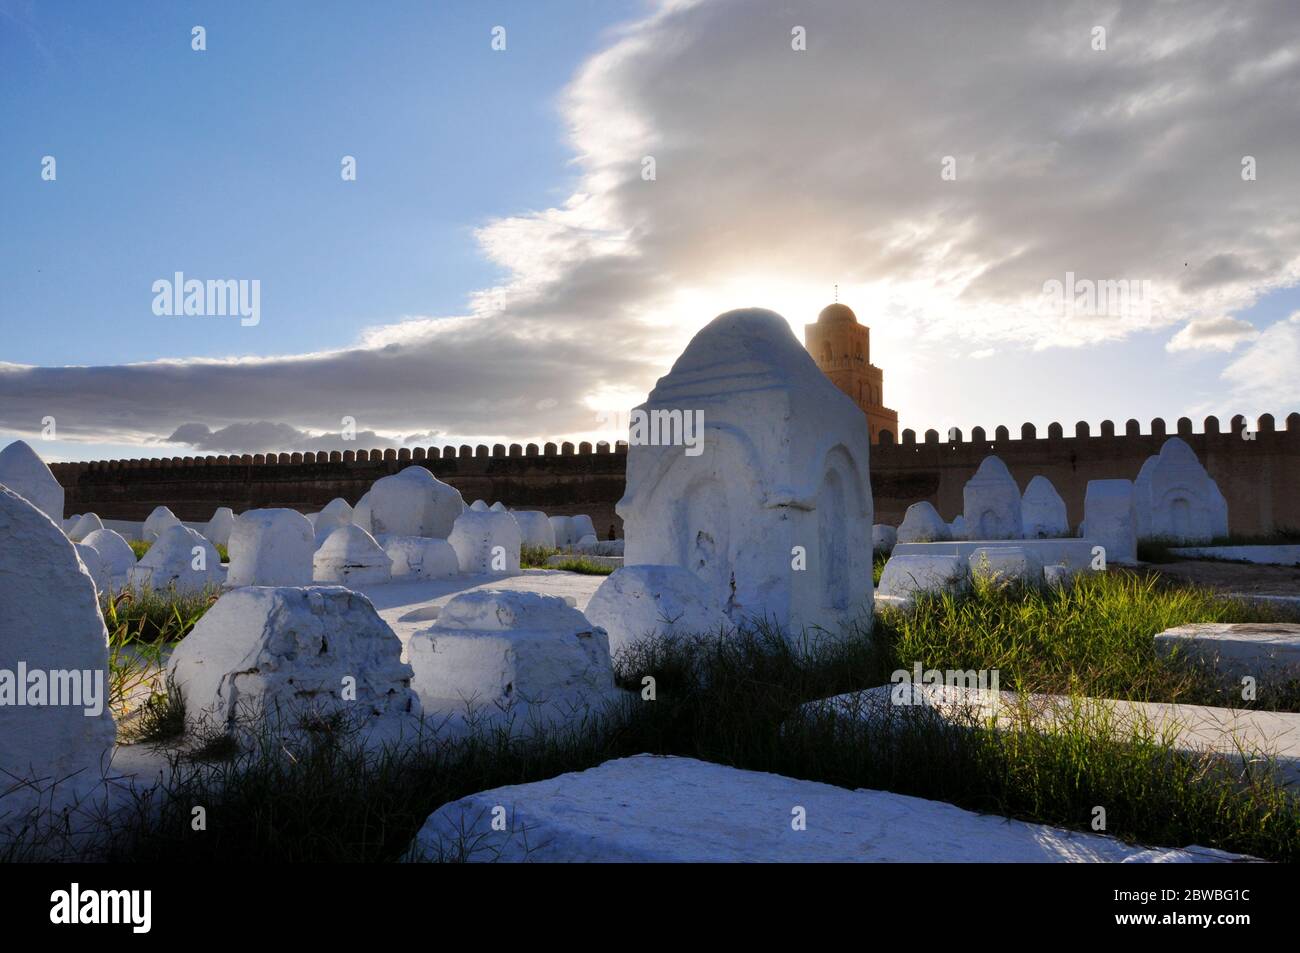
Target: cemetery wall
column 1257, row 469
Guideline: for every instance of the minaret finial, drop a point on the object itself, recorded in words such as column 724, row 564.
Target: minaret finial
column 837, row 294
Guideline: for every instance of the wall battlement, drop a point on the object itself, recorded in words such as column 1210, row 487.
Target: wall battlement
column 1257, row 469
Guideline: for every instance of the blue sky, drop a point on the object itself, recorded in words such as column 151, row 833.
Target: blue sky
column 227, row 162
column 502, row 269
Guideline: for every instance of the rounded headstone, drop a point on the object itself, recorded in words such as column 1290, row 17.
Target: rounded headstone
column 218, row 528
column 351, row 557
column 1042, row 511
column 991, row 502
column 536, row 528
column 923, row 524
column 271, row 547
column 160, row 519
column 179, row 559
column 116, row 552
column 52, row 623
column 486, row 542
column 413, row 503
column 25, row 473
column 84, row 527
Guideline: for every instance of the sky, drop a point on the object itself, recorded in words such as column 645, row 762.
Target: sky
column 550, row 198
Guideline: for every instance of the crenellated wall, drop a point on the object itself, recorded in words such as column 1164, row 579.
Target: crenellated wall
column 561, row 479
column 1259, row 476
column 1258, row 470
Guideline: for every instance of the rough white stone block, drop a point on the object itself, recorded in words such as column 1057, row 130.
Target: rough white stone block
column 1073, row 552
column 95, row 567
column 284, row 653
column 639, row 602
column 271, row 547
column 1059, row 574
column 499, row 651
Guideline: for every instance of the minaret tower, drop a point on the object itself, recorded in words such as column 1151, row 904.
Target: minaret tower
column 842, row 349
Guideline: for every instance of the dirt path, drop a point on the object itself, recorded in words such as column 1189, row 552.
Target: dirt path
column 1234, row 577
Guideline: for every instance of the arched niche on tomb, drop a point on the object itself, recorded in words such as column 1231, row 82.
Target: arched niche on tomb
column 839, row 500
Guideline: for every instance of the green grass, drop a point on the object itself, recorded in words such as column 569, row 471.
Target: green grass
column 140, row 547
column 142, row 624
column 738, row 702
column 152, row 615
column 159, row 720
column 534, row 557
column 1092, row 638
column 583, row 566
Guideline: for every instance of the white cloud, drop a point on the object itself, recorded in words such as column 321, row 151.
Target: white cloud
column 1212, row 334
column 1267, row 374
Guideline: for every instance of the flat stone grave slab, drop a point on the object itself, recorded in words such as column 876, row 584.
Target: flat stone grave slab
column 1247, row 737
column 1262, row 555
column 658, row 809
column 1264, row 650
column 1073, row 552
